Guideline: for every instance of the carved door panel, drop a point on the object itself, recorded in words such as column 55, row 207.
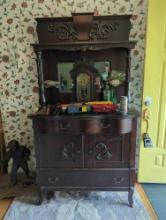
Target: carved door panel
column 105, row 151
column 60, row 150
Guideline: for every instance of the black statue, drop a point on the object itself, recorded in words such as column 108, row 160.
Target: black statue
column 20, row 154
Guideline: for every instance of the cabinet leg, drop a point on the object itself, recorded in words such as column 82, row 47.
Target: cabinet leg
column 42, row 196
column 130, row 196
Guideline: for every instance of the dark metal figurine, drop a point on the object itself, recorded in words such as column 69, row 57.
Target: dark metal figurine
column 20, row 154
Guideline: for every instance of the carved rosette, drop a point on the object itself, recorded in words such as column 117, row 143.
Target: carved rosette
column 102, row 152
column 68, row 152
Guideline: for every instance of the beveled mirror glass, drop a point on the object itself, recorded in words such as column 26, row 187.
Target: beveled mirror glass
column 64, row 76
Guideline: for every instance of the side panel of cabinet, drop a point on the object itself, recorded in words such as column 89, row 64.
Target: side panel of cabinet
column 105, row 151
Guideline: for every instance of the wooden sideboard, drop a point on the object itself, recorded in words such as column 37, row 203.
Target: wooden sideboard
column 86, row 151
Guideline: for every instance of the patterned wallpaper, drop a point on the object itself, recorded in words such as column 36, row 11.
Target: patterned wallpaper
column 18, row 80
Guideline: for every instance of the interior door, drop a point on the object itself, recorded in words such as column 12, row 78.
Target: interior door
column 152, row 160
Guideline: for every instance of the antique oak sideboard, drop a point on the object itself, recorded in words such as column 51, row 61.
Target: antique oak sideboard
column 87, row 151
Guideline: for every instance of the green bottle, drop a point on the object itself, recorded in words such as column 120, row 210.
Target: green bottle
column 106, row 93
column 113, row 95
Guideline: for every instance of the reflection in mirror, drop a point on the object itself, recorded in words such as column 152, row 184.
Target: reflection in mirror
column 83, row 87
column 104, row 69
column 115, row 77
column 64, row 76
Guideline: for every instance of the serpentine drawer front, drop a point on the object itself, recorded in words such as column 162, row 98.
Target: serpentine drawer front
column 93, row 125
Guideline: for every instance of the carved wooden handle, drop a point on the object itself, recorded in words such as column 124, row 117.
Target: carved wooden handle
column 118, row 180
column 53, row 180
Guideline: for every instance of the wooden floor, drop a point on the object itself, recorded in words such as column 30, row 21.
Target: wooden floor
column 5, row 204
column 146, row 202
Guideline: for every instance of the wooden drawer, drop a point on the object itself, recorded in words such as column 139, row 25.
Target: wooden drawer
column 83, row 178
column 87, row 125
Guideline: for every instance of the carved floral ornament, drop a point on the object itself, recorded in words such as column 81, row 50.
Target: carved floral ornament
column 67, row 31
column 64, row 31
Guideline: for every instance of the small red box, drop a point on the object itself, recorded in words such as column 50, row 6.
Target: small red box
column 104, row 107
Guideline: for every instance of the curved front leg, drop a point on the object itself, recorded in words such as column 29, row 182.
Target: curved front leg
column 130, row 196
column 42, row 195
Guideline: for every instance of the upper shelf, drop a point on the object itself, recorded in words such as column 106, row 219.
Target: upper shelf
column 84, row 46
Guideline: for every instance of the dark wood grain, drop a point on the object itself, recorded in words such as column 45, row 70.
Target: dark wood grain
column 84, row 151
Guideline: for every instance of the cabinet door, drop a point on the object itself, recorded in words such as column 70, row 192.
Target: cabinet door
column 59, row 150
column 105, row 151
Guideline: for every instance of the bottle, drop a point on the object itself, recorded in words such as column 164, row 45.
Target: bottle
column 106, row 93
column 113, row 95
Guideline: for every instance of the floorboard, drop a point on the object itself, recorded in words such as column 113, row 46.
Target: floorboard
column 4, row 205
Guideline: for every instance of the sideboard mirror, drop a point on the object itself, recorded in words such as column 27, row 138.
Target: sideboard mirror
column 64, row 77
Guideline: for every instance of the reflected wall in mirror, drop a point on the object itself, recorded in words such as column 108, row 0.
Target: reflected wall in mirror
column 64, row 76
column 104, row 69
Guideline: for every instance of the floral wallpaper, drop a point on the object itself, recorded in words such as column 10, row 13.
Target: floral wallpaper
column 18, row 80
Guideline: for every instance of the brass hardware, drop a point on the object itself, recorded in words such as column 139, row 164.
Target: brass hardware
column 118, row 180
column 64, row 125
column 53, row 180
column 146, row 117
column 146, row 138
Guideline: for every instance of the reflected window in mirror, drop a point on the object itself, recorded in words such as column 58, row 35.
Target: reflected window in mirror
column 64, row 77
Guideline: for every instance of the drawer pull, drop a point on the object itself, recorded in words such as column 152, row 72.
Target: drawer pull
column 105, row 126
column 90, row 152
column 78, row 151
column 118, row 180
column 53, row 180
column 64, row 125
